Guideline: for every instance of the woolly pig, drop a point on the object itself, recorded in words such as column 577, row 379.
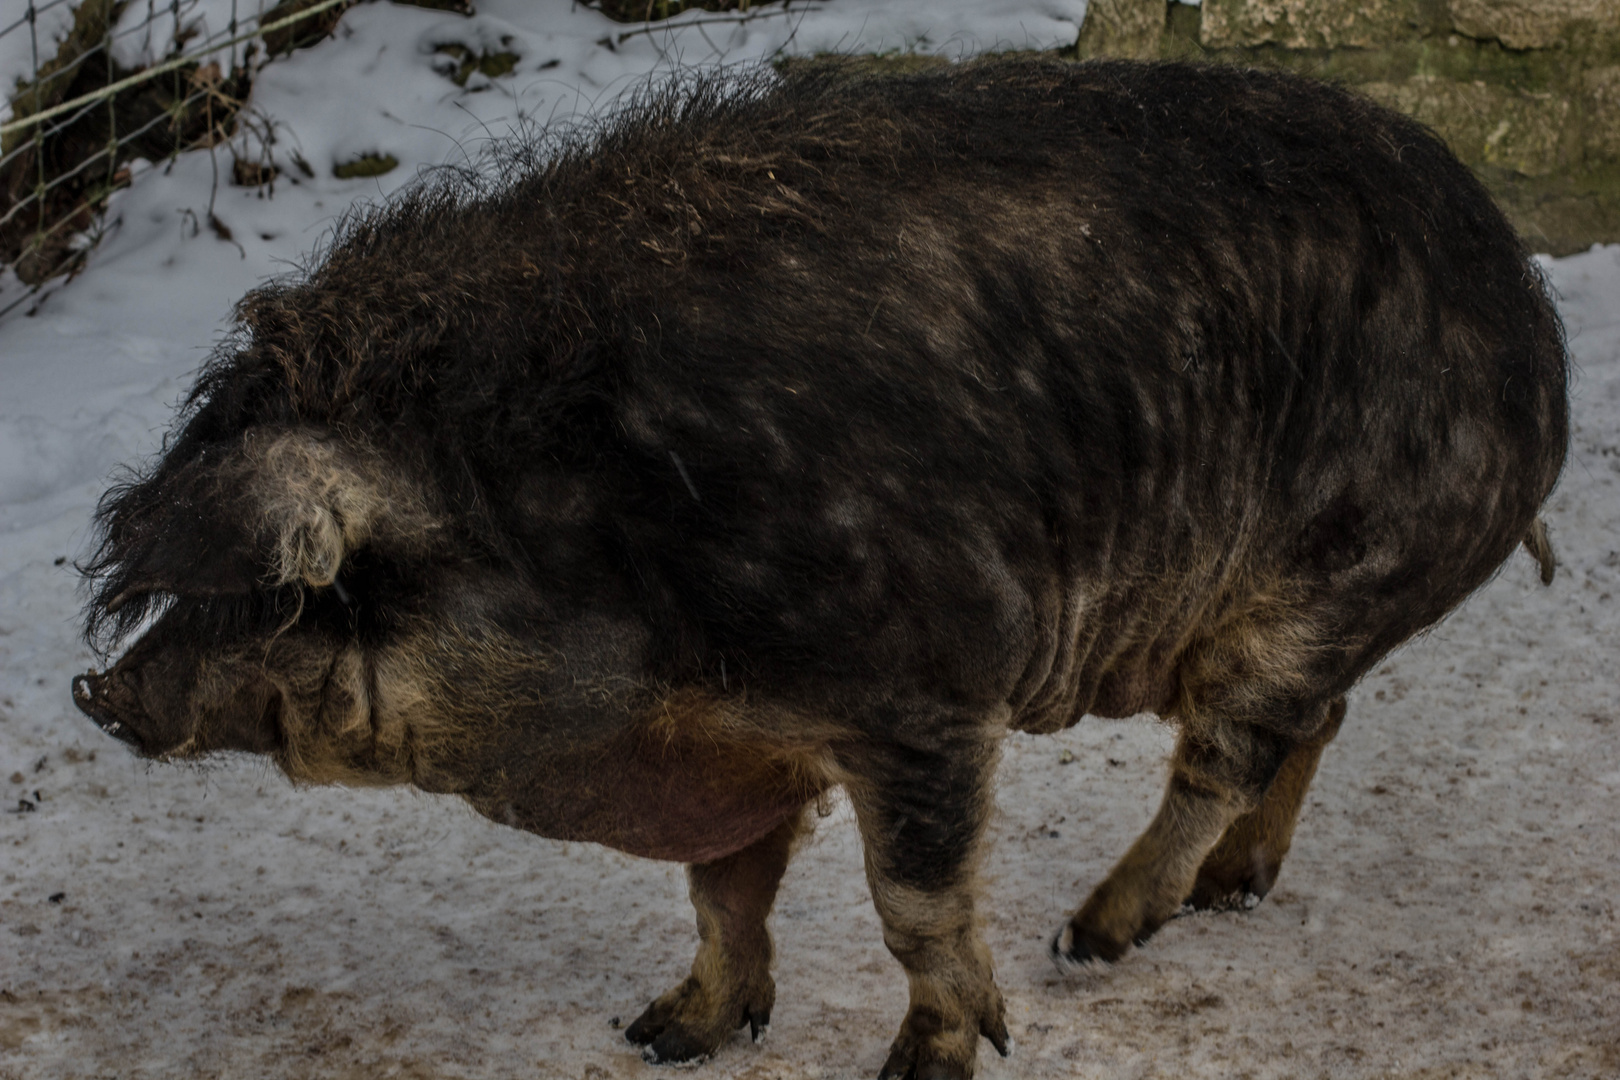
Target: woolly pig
column 818, row 429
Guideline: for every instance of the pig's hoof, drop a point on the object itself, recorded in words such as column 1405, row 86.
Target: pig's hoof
column 1240, row 899
column 1232, row 887
column 1126, row 909
column 1081, row 943
column 676, row 1048
column 927, row 1050
column 904, row 1064
column 1076, row 949
column 686, row 1026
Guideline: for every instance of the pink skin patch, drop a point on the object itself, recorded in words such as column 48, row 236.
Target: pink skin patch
column 683, row 800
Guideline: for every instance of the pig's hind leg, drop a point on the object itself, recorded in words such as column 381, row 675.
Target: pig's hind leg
column 1246, row 859
column 730, row 986
column 1221, row 771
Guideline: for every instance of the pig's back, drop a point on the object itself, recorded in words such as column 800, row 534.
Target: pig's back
column 1107, row 365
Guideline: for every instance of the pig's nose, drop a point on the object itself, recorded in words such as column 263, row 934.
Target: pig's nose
column 89, row 694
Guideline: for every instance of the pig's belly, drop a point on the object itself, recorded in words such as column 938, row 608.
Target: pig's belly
column 690, row 803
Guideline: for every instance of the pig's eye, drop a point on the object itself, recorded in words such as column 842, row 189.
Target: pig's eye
column 140, row 603
column 341, row 592
column 257, row 613
column 134, row 611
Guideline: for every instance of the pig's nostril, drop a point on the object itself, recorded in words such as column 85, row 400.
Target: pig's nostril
column 86, row 695
column 84, row 692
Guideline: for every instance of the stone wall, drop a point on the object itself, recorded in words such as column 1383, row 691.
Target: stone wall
column 1527, row 92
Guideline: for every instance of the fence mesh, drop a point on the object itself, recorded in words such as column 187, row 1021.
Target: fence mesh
column 128, row 79
column 107, row 82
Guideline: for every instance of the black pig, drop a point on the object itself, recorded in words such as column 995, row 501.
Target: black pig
column 819, row 429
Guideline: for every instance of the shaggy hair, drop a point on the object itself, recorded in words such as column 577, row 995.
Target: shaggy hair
column 791, row 431
column 1226, row 212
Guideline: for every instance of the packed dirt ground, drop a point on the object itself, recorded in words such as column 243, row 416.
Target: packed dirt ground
column 1449, row 909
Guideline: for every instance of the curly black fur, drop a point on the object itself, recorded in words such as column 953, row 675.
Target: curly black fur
column 816, row 429
column 1247, row 238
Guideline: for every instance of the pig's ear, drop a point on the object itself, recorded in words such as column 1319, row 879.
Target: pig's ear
column 173, row 535
column 308, row 539
column 321, row 499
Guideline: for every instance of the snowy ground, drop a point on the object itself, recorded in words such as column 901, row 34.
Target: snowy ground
column 1449, row 909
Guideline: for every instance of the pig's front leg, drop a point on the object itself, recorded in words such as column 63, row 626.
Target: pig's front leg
column 730, row 986
column 922, row 808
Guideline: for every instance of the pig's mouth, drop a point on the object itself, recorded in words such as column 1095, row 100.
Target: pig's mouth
column 93, row 695
column 249, row 719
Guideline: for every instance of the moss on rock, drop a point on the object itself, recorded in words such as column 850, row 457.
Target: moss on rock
column 1524, row 132
column 366, row 165
column 1537, row 24
column 1315, row 24
column 1527, row 92
column 466, row 61
column 1562, row 213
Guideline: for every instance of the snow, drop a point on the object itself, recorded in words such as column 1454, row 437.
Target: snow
column 1448, row 910
column 18, row 45
column 146, row 32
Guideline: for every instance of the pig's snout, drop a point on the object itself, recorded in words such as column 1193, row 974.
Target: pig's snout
column 110, row 701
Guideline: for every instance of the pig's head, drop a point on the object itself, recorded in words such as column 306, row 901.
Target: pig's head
column 293, row 592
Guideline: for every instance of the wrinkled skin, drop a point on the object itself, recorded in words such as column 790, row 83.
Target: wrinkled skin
column 822, row 434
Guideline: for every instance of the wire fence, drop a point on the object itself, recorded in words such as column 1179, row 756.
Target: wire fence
column 129, row 79
column 111, row 81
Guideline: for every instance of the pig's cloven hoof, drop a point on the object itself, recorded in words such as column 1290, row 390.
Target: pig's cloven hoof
column 1126, row 908
column 1080, row 944
column 1228, row 887
column 685, row 1026
column 1073, row 951
column 926, row 1050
